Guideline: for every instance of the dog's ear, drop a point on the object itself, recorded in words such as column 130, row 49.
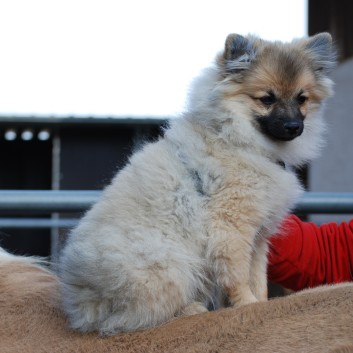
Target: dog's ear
column 238, row 53
column 322, row 51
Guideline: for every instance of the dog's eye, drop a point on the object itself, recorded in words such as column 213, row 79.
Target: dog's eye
column 268, row 100
column 301, row 99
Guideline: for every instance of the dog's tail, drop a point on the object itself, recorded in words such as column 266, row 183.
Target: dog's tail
column 26, row 274
column 6, row 257
column 41, row 263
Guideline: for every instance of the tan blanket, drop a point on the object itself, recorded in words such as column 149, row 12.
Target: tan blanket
column 313, row 321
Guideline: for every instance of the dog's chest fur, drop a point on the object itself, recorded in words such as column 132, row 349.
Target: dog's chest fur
column 234, row 183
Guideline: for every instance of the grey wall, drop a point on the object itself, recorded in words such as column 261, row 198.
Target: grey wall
column 333, row 171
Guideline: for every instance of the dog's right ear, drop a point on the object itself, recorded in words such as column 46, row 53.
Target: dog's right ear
column 238, row 54
column 322, row 51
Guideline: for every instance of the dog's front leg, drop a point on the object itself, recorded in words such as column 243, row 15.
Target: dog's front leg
column 258, row 269
column 230, row 252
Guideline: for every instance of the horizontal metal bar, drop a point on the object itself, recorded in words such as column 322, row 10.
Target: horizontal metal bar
column 48, row 201
column 37, row 223
column 326, row 203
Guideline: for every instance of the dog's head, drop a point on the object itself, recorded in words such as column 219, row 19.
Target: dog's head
column 277, row 88
column 281, row 83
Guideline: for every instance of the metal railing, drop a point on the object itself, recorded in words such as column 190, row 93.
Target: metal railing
column 22, row 202
column 18, row 201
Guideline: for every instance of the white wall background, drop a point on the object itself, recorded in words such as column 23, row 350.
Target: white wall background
column 122, row 58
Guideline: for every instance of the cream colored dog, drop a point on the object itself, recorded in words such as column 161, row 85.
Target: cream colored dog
column 193, row 211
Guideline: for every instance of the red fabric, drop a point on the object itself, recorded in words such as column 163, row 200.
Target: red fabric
column 306, row 255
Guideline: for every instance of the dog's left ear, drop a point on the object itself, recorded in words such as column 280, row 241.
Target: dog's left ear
column 238, row 53
column 323, row 52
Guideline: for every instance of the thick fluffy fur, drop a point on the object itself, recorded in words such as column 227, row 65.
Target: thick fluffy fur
column 193, row 210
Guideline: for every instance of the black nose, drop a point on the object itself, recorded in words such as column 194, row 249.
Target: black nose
column 281, row 128
column 293, row 127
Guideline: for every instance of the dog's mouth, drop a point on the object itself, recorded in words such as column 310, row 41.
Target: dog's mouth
column 281, row 129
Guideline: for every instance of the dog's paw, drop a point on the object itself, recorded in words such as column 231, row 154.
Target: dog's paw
column 245, row 301
column 193, row 309
column 238, row 301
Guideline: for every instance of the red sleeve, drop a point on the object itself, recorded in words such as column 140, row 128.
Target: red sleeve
column 306, row 255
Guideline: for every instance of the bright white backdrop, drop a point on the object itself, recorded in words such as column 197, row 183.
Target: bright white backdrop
column 122, row 58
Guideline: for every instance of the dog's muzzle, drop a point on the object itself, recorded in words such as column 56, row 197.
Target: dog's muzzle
column 282, row 129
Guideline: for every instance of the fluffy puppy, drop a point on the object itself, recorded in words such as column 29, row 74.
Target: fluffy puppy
column 194, row 210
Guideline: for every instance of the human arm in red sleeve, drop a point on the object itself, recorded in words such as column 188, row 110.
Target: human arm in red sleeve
column 306, row 255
